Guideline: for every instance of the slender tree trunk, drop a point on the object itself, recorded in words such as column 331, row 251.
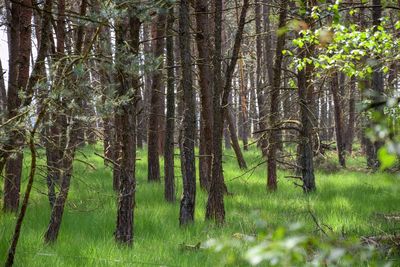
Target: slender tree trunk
column 339, row 129
column 352, row 115
column 21, row 15
column 187, row 206
column 126, row 124
column 234, row 139
column 274, row 108
column 215, row 204
column 377, row 86
column 3, row 94
column 261, row 98
column 205, row 82
column 69, row 141
column 169, row 189
column 156, row 101
column 253, row 110
column 243, row 104
column 305, row 93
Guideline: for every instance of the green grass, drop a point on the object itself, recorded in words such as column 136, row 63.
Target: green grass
column 347, row 201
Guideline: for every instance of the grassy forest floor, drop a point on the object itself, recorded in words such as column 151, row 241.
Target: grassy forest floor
column 348, row 201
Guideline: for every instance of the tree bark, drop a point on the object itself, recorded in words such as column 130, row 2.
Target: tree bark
column 169, row 188
column 352, row 116
column 234, row 139
column 306, row 100
column 339, row 126
column 156, row 101
column 261, row 97
column 187, row 207
column 21, row 15
column 215, row 204
column 273, row 138
column 205, row 82
column 126, row 125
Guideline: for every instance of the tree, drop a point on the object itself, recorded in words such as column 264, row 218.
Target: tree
column 215, row 204
column 261, row 101
column 169, row 189
column 187, row 207
column 126, row 126
column 205, row 82
column 273, row 137
column 306, row 100
column 156, row 100
column 339, row 126
column 69, row 137
column 19, row 54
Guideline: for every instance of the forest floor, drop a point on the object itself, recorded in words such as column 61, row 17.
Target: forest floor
column 349, row 202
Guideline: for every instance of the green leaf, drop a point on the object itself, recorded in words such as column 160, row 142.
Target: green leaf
column 386, row 159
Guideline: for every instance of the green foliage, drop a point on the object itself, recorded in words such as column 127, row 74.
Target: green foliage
column 292, row 246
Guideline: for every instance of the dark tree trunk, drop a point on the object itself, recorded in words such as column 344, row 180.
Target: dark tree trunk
column 215, row 204
column 205, row 82
column 352, row 115
column 323, row 118
column 156, row 101
column 305, row 138
column 306, row 102
column 21, row 15
column 12, row 177
column 104, row 48
column 243, row 104
column 169, row 189
column 378, row 87
column 189, row 118
column 259, row 84
column 3, row 95
column 227, row 138
column 273, row 138
column 253, row 110
column 54, row 149
column 36, row 74
column 234, row 139
column 126, row 124
column 339, row 129
column 69, row 140
column 59, row 203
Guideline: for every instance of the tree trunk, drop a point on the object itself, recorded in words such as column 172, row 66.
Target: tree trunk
column 352, row 116
column 126, row 125
column 205, row 82
column 21, row 15
column 59, row 203
column 156, row 100
column 3, row 95
column 377, row 86
column 234, row 139
column 243, row 104
column 169, row 189
column 339, row 129
column 215, row 204
column 305, row 93
column 187, row 206
column 273, row 138
column 259, row 84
